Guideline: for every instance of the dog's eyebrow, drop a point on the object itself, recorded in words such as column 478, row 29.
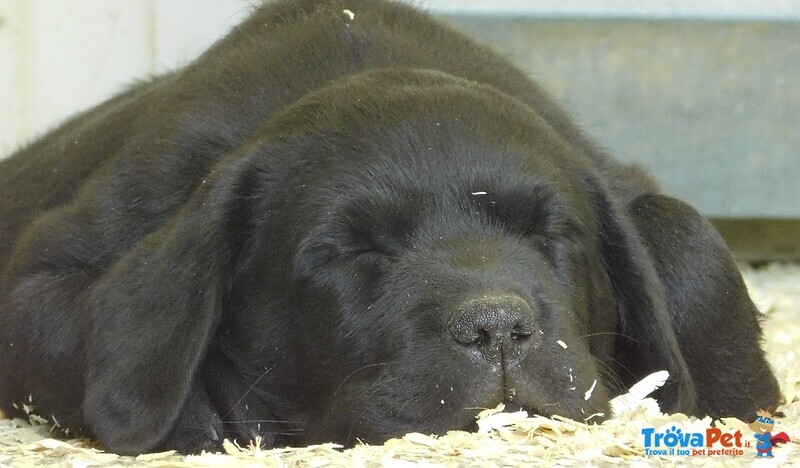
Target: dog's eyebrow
column 527, row 209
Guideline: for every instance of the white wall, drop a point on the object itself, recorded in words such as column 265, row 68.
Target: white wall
column 61, row 56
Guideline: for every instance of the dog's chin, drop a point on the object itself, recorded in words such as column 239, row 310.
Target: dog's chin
column 379, row 431
column 510, row 406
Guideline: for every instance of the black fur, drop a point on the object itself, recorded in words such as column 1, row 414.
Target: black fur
column 329, row 228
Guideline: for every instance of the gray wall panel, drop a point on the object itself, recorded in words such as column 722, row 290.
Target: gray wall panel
column 712, row 108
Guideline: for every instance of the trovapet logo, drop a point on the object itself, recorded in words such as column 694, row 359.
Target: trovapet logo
column 713, row 441
column 674, row 441
column 762, row 427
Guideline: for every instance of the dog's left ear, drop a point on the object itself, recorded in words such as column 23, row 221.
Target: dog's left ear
column 707, row 306
column 154, row 312
column 682, row 306
column 646, row 332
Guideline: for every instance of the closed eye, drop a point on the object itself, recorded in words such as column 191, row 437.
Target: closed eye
column 373, row 253
column 377, row 229
column 314, row 255
column 518, row 214
column 530, row 212
column 321, row 253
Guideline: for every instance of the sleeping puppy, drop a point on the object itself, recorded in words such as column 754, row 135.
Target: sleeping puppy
column 346, row 221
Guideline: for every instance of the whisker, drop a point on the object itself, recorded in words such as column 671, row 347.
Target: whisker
column 258, row 421
column 355, row 372
column 609, row 374
column 611, row 333
column 246, row 421
column 622, row 366
column 247, row 392
column 199, row 436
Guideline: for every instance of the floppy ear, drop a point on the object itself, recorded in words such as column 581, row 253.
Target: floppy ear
column 153, row 313
column 646, row 333
column 708, row 306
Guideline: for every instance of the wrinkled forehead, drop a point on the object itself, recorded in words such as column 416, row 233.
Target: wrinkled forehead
column 454, row 162
column 457, row 187
column 421, row 118
column 445, row 143
column 438, row 175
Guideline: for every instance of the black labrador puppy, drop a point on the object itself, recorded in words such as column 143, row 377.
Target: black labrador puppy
column 347, row 221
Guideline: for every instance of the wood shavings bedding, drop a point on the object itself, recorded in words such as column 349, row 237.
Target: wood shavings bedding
column 504, row 439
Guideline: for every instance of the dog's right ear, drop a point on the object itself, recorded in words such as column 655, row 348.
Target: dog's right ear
column 155, row 310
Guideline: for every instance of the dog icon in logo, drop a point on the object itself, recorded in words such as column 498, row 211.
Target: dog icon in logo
column 762, row 427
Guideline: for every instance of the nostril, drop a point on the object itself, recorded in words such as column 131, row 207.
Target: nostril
column 483, row 337
column 464, row 334
column 490, row 323
column 520, row 332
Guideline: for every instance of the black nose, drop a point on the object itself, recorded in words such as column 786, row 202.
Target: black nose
column 500, row 327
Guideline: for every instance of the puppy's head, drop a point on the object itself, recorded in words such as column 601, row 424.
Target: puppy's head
column 393, row 253
column 433, row 249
